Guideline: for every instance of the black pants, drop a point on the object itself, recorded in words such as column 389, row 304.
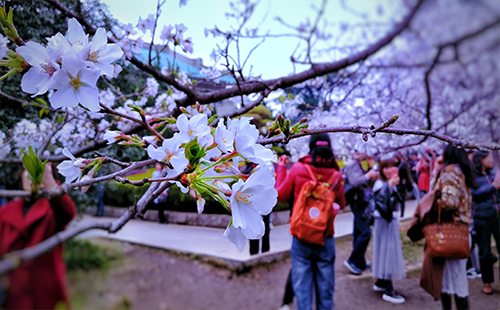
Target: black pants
column 360, row 238
column 289, row 294
column 485, row 228
column 254, row 244
column 461, row 303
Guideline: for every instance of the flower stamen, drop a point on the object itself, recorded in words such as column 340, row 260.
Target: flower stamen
column 75, row 82
column 240, row 197
column 93, row 56
column 47, row 67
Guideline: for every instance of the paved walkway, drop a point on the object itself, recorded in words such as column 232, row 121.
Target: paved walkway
column 210, row 242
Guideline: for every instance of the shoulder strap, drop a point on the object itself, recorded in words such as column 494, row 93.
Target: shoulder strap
column 313, row 176
column 334, row 179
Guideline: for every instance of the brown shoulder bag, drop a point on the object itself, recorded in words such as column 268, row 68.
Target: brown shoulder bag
column 447, row 240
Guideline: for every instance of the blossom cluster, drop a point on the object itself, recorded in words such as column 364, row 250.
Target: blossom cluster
column 200, row 159
column 69, row 66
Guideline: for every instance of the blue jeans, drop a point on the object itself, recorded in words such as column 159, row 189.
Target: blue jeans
column 361, row 235
column 313, row 264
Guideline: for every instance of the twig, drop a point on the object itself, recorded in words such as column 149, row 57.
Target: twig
column 397, row 131
column 109, row 159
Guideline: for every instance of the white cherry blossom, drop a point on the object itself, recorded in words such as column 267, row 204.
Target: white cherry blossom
column 170, row 148
column 224, row 137
column 44, row 66
column 75, row 83
column 3, row 46
column 76, row 36
column 235, row 235
column 195, row 127
column 251, row 199
column 111, row 136
column 146, row 24
column 101, row 54
column 4, row 145
column 70, row 169
column 152, row 87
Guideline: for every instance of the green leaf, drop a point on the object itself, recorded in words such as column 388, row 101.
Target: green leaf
column 193, row 152
column 34, row 166
column 10, row 16
column 42, row 112
column 43, row 102
column 212, row 118
column 28, row 165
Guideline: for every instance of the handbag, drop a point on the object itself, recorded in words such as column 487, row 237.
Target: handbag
column 449, row 240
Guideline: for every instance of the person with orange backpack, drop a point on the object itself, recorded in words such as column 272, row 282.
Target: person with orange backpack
column 318, row 189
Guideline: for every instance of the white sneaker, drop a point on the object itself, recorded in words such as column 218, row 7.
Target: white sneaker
column 284, row 307
column 377, row 288
column 393, row 297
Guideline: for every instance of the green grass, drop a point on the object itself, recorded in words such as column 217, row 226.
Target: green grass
column 412, row 251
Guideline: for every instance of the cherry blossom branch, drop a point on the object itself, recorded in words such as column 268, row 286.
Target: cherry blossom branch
column 313, row 30
column 158, row 11
column 106, row 159
column 122, row 115
column 13, row 259
column 64, row 188
column 248, row 107
column 27, row 103
column 398, row 131
column 49, row 137
column 316, row 70
column 146, row 180
column 148, row 126
column 453, row 43
column 252, row 87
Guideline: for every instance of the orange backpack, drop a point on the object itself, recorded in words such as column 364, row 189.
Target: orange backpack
column 312, row 215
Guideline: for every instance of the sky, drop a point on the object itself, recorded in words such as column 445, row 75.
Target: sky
column 272, row 58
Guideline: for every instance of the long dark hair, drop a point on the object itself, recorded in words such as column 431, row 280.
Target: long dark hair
column 454, row 155
column 477, row 161
column 320, row 149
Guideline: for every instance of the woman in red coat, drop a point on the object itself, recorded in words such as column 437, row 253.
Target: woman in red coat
column 41, row 282
column 424, row 176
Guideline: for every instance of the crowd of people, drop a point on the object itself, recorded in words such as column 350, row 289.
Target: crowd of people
column 374, row 190
column 469, row 193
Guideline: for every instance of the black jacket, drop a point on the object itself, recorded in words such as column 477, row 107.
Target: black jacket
column 483, row 197
column 386, row 201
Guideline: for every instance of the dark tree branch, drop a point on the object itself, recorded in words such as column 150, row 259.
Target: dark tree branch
column 13, row 259
column 397, row 131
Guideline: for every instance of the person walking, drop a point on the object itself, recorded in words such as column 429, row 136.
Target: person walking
column 358, row 192
column 387, row 258
column 486, row 199
column 424, row 174
column 312, row 264
column 444, row 278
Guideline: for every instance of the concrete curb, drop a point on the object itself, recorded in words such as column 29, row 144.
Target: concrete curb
column 188, row 218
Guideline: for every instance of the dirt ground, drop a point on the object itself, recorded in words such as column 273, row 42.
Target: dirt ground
column 148, row 278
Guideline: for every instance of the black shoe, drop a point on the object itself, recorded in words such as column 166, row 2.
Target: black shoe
column 390, row 295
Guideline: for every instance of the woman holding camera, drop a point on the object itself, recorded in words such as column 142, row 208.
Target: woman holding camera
column 387, row 260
